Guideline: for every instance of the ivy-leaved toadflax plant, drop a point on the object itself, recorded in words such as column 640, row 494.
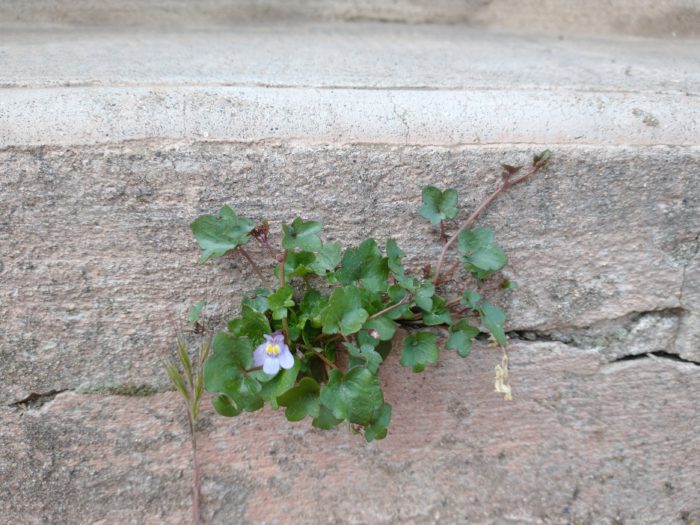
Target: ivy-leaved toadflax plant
column 314, row 342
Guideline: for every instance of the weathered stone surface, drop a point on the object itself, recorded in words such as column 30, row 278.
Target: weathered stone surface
column 104, row 163
column 99, row 263
column 584, row 441
column 667, row 18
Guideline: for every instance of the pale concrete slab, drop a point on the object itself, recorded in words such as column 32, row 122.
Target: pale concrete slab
column 328, row 55
column 346, row 84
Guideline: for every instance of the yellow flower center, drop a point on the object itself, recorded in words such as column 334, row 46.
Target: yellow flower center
column 272, row 349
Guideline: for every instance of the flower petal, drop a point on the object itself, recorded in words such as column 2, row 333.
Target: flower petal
column 278, row 338
column 286, row 358
column 271, row 366
column 259, row 354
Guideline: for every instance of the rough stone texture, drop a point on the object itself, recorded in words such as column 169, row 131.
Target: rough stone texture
column 667, row 18
column 583, row 442
column 94, row 238
column 112, row 142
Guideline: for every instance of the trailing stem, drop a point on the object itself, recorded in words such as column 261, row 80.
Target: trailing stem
column 283, row 261
column 507, row 183
column 255, row 267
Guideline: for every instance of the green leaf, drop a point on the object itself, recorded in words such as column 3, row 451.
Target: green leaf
column 424, row 296
column 509, row 169
column 251, row 324
column 224, row 372
column 395, row 256
column 471, row 299
column 302, row 400
column 508, row 285
column 461, row 335
column 232, row 355
column 493, row 318
column 325, row 420
column 195, row 311
column 378, row 428
column 279, row 384
column 385, row 327
column 224, row 406
column 327, row 259
column 438, row 205
column 244, row 394
column 259, row 302
column 394, row 260
column 366, row 264
column 542, row 158
column 366, row 355
column 280, row 301
column 302, row 235
column 479, row 249
column 310, row 308
column 218, row 235
column 356, row 396
column 297, row 264
column 479, row 274
column 419, row 349
column 344, row 312
column 397, row 294
column 439, row 313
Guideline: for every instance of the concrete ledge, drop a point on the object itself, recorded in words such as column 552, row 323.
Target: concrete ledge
column 80, row 116
column 340, row 84
column 668, row 18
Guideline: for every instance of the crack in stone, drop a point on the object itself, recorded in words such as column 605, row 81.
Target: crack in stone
column 590, row 336
column 402, row 118
column 36, row 400
column 659, row 354
column 615, row 334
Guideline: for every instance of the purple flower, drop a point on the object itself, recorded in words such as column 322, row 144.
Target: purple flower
column 272, row 354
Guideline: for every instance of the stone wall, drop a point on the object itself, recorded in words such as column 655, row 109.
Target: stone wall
column 113, row 140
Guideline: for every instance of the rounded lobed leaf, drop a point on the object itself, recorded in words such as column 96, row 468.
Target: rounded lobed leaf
column 218, row 235
column 479, row 250
column 438, row 205
column 302, row 400
column 419, row 349
column 302, row 235
column 355, row 396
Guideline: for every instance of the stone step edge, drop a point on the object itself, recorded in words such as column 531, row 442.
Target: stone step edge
column 102, row 115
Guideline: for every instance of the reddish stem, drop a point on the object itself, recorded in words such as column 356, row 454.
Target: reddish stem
column 285, row 326
column 257, row 271
column 506, row 184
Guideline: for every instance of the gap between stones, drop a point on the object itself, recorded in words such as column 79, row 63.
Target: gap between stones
column 36, row 400
column 651, row 355
column 583, row 338
column 589, row 337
